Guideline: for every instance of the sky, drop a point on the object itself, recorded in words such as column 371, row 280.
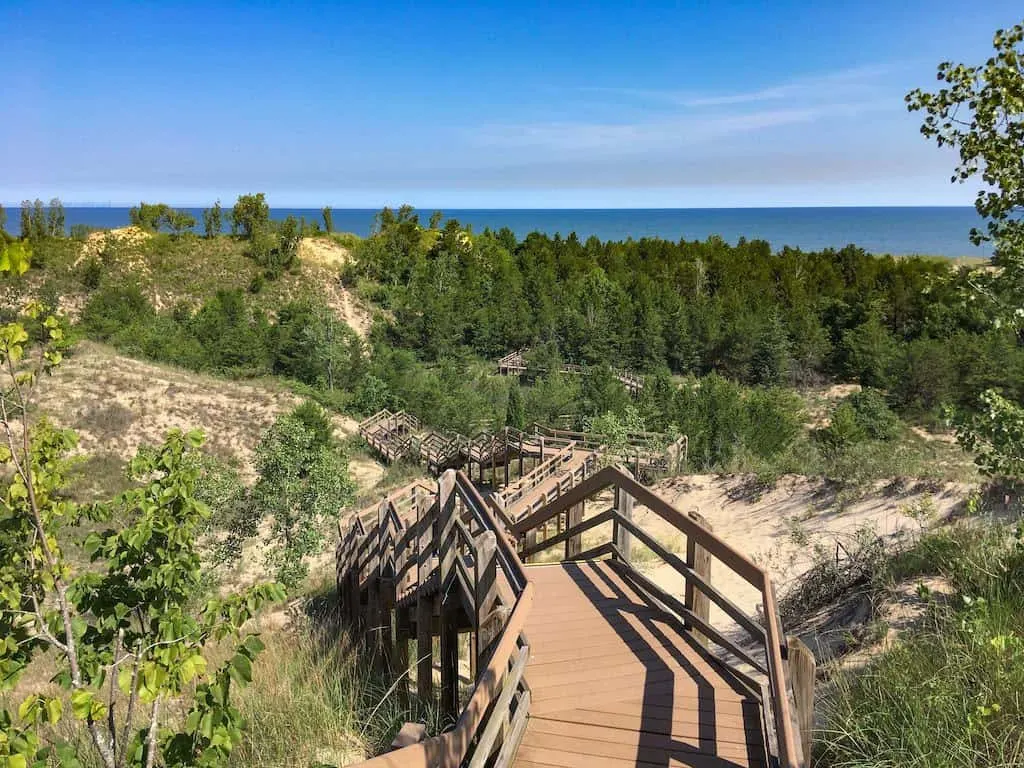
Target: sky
column 482, row 104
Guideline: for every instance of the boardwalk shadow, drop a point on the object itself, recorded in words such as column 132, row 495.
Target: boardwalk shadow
column 660, row 642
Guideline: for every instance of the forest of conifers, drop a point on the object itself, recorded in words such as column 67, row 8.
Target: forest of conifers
column 747, row 313
column 725, row 334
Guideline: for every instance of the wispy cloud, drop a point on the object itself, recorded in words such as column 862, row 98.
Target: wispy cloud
column 677, row 119
column 824, row 85
column 662, row 133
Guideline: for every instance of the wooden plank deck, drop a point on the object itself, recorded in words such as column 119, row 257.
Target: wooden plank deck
column 614, row 684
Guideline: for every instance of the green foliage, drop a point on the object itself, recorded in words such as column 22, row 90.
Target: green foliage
column 328, row 219
column 55, row 218
column 515, row 414
column 844, row 429
column 152, row 217
column 966, row 663
column 873, row 415
column 36, row 223
column 250, row 215
column 980, row 112
column 148, row 216
column 92, row 273
column 721, row 419
column 126, row 632
column 212, row 221
column 302, row 482
column 995, row 434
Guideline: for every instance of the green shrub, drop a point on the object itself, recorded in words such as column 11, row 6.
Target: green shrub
column 113, row 309
column 873, row 415
column 844, row 429
column 92, row 273
column 947, row 695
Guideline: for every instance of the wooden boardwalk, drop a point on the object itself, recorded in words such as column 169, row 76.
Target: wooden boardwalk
column 580, row 663
column 615, row 683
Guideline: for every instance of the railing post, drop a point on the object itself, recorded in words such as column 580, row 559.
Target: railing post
column 374, row 639
column 622, row 538
column 447, row 552
column 485, row 595
column 802, row 667
column 699, row 559
column 425, row 646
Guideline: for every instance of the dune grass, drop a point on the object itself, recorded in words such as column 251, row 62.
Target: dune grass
column 314, row 700
column 952, row 693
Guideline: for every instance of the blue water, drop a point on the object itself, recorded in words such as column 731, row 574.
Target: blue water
column 897, row 231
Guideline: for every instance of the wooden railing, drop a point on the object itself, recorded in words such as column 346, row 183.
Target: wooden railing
column 767, row 676
column 454, row 558
column 515, row 363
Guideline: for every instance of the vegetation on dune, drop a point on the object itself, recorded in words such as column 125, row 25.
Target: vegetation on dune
column 118, row 596
column 949, row 694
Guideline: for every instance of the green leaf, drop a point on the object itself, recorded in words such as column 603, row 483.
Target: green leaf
column 81, row 703
column 54, row 710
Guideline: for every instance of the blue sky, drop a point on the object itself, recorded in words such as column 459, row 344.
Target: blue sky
column 481, row 104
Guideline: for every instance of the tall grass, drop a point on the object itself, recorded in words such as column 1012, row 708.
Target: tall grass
column 952, row 693
column 315, row 701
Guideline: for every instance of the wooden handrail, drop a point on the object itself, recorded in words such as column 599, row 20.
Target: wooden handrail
column 770, row 635
column 451, row 748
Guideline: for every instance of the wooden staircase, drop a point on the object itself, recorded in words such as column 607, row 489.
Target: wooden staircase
column 580, row 662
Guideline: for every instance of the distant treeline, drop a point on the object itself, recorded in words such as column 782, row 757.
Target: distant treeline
column 761, row 318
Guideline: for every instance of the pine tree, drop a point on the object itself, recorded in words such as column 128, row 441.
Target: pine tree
column 25, row 220
column 515, row 413
column 328, row 219
column 55, row 218
column 212, row 221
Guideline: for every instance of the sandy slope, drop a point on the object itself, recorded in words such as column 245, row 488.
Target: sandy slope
column 780, row 528
column 327, row 258
column 116, row 404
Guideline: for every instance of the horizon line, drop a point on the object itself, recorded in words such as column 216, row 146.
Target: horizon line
column 442, row 208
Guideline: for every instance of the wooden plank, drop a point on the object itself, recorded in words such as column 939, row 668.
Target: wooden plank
column 553, row 758
column 517, row 728
column 509, row 685
column 574, row 530
column 680, row 721
column 626, row 745
column 627, row 680
column 664, row 693
column 424, row 647
column 802, row 667
column 682, row 709
column 691, row 618
column 699, row 561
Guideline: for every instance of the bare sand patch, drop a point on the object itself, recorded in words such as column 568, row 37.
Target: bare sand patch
column 325, row 258
column 781, row 527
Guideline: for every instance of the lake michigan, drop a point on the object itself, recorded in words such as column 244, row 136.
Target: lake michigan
column 897, row 231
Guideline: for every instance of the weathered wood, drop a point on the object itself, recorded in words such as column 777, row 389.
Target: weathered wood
column 802, row 669
column 576, row 530
column 699, row 560
column 517, row 727
column 485, row 564
column 400, row 660
column 373, row 621
column 574, row 544
column 509, row 685
column 425, row 647
column 620, row 535
column 409, row 734
column 450, row 598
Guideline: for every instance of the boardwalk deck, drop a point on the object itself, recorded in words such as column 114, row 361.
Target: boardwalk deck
column 614, row 683
column 585, row 662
